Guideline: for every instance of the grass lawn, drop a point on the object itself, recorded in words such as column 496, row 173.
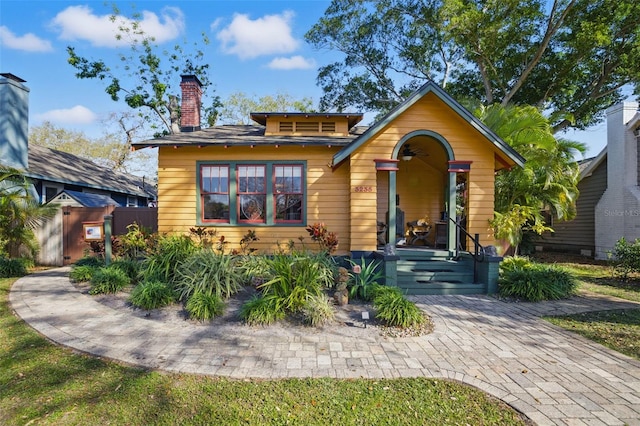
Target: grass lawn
column 44, row 384
column 616, row 329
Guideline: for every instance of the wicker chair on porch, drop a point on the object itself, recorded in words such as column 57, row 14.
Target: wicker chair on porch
column 418, row 230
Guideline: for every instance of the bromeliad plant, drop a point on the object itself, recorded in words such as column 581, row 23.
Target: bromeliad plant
column 363, row 278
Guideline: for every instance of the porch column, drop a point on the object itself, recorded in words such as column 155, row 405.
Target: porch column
column 391, row 226
column 451, row 213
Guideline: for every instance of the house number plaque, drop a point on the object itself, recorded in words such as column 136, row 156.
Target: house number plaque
column 363, row 189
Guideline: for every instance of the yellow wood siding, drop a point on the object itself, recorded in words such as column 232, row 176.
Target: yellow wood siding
column 327, row 193
column 353, row 197
column 340, row 125
column 421, row 188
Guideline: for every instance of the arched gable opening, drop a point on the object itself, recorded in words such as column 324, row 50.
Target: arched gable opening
column 423, row 188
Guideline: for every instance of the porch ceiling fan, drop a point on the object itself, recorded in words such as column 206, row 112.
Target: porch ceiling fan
column 407, row 153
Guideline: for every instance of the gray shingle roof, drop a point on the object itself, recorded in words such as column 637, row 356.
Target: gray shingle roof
column 240, row 135
column 57, row 166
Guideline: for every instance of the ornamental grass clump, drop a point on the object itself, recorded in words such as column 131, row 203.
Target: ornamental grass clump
column 204, row 306
column 318, row 311
column 262, row 310
column 108, row 280
column 534, row 282
column 171, row 251
column 394, row 309
column 287, row 282
column 82, row 273
column 128, row 266
column 208, row 272
column 152, row 295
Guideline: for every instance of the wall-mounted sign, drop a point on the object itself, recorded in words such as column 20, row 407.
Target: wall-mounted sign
column 93, row 231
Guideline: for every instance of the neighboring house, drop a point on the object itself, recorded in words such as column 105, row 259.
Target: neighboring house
column 53, row 171
column 296, row 169
column 71, row 181
column 608, row 207
column 82, row 199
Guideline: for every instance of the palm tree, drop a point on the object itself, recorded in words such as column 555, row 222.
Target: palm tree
column 548, row 181
column 20, row 214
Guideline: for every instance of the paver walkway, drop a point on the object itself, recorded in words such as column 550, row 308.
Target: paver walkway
column 552, row 376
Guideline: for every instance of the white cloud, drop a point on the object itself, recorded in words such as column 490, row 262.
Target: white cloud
column 28, row 42
column 80, row 23
column 76, row 115
column 268, row 35
column 293, row 63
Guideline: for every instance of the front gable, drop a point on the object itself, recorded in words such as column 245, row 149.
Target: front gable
column 431, row 108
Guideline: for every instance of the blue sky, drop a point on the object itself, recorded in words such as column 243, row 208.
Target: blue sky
column 257, row 47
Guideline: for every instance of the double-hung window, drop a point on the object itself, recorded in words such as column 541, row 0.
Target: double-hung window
column 251, row 193
column 288, row 193
column 236, row 193
column 214, row 193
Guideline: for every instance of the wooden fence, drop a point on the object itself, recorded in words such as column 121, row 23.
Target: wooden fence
column 62, row 239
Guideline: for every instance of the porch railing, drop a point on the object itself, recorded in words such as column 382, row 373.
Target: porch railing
column 478, row 253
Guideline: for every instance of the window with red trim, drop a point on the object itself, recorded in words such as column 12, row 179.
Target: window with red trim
column 252, row 193
column 287, row 193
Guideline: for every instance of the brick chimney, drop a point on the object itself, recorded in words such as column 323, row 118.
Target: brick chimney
column 191, row 103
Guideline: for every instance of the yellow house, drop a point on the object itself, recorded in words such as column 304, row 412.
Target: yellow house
column 429, row 159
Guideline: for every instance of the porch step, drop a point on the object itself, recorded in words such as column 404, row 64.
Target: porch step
column 442, row 287
column 433, row 272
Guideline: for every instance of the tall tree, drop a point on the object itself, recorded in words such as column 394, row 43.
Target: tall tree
column 149, row 77
column 238, row 106
column 547, row 182
column 20, row 214
column 570, row 58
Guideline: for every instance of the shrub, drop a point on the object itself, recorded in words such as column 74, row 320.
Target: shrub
column 128, row 266
column 363, row 277
column 172, row 250
column 208, row 272
column 82, row 273
column 626, row 257
column 108, row 280
column 137, row 242
column 537, row 282
column 96, row 262
column 328, row 241
column 394, row 309
column 152, row 295
column 262, row 310
column 512, row 262
column 203, row 306
column 318, row 311
column 13, row 267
